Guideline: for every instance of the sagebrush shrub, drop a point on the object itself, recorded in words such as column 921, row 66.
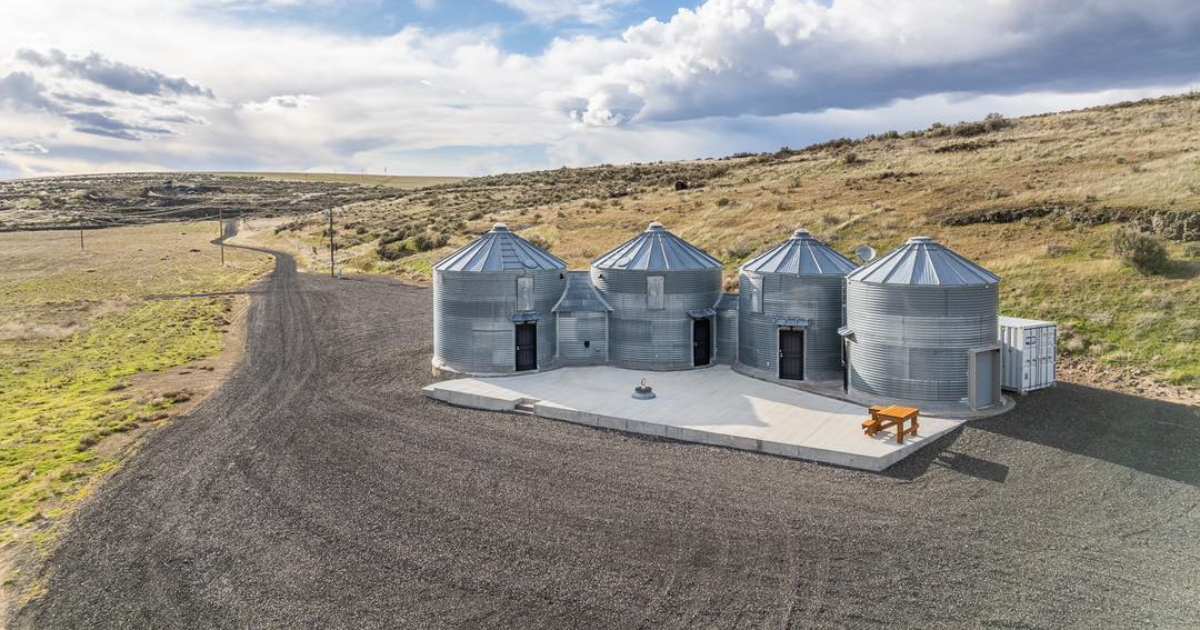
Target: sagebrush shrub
column 1141, row 250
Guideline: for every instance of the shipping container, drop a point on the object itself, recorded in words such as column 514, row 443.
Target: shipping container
column 1028, row 353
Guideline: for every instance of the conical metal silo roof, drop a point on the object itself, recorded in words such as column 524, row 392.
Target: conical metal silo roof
column 657, row 249
column 801, row 255
column 500, row 250
column 923, row 262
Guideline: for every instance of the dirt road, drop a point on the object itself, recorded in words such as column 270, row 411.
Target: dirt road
column 318, row 488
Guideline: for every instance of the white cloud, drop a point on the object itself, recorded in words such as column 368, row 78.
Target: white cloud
column 730, row 75
column 281, row 103
column 32, row 148
column 732, row 57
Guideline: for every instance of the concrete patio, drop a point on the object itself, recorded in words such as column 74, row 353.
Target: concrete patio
column 715, row 406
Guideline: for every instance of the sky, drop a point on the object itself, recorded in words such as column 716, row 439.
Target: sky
column 434, row 87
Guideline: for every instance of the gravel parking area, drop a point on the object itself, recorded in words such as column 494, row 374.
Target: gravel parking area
column 320, row 488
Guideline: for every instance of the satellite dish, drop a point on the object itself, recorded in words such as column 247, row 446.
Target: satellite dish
column 865, row 253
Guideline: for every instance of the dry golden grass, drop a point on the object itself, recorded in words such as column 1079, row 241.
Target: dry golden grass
column 1142, row 158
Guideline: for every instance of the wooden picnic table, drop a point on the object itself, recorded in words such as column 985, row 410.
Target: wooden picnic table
column 885, row 417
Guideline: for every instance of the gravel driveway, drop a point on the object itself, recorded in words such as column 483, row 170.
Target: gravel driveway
column 319, row 489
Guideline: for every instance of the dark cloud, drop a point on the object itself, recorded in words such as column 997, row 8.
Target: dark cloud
column 119, row 134
column 101, row 124
column 180, row 119
column 21, row 90
column 114, row 74
column 83, row 99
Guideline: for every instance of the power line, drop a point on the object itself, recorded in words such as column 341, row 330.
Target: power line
column 331, row 246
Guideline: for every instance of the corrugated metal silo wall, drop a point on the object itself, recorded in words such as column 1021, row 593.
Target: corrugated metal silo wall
column 577, row 328
column 912, row 342
column 727, row 336
column 473, row 330
column 815, row 298
column 639, row 338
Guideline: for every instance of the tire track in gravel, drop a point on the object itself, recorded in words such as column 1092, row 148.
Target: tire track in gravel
column 319, row 488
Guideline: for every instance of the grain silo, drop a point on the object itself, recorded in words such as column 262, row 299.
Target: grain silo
column 790, row 309
column 921, row 328
column 492, row 305
column 663, row 292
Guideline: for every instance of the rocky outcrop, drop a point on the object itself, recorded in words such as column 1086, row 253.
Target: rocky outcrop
column 1175, row 225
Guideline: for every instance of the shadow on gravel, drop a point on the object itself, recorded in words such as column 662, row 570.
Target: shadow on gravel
column 1151, row 436
column 973, row 466
column 940, row 454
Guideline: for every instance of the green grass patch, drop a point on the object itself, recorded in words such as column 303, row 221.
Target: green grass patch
column 66, row 396
column 1110, row 312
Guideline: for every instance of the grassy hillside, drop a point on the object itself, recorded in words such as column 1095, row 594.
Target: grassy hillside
column 1036, row 199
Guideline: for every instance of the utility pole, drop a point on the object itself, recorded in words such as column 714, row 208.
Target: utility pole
column 331, row 246
column 81, row 235
column 221, row 233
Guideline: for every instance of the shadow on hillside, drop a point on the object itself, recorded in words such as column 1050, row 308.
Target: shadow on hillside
column 1151, row 436
column 1183, row 270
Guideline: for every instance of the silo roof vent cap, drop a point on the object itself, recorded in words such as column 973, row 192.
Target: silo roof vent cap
column 916, row 240
column 801, row 233
column 655, row 225
column 500, row 227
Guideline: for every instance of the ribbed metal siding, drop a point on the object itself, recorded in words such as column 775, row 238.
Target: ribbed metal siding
column 727, row 336
column 473, row 330
column 815, row 298
column 639, row 338
column 575, row 328
column 911, row 342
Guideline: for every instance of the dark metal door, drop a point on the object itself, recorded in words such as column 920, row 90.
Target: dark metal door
column 791, row 355
column 701, row 341
column 845, row 366
column 526, row 347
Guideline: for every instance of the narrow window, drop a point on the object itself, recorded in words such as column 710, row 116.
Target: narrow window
column 525, row 293
column 655, row 300
column 756, row 293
